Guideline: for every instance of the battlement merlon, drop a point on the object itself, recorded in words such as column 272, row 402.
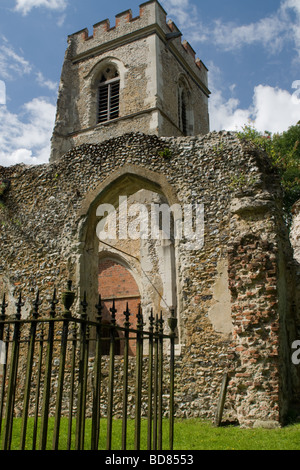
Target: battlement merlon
column 152, row 18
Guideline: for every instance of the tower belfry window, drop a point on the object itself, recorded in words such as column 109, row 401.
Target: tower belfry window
column 185, row 112
column 108, row 95
column 182, row 111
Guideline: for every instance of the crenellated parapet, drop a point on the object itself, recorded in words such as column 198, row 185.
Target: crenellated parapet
column 136, row 74
column 151, row 15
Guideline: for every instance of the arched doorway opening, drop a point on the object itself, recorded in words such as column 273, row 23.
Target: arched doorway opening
column 151, row 261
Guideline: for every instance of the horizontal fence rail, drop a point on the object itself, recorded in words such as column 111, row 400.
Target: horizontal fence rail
column 62, row 383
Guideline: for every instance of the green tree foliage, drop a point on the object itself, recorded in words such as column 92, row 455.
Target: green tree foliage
column 284, row 152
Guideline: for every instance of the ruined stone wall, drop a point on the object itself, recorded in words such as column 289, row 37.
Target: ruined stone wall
column 234, row 294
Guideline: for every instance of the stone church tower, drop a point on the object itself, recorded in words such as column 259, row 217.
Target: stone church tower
column 135, row 76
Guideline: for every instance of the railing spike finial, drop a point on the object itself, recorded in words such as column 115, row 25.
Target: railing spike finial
column 151, row 318
column 139, row 316
column 127, row 315
column 19, row 306
column 156, row 323
column 161, row 322
column 113, row 311
column 84, row 305
column 36, row 305
column 99, row 309
column 53, row 303
column 3, row 306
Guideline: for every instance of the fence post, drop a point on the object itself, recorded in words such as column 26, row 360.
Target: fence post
column 68, row 299
column 150, row 380
column 97, row 379
column 33, row 327
column 155, row 386
column 72, row 379
column 160, row 380
column 2, row 392
column 125, row 381
column 2, row 317
column 111, row 376
column 81, row 402
column 138, row 387
column 12, row 378
column 38, row 386
column 172, row 324
column 47, row 380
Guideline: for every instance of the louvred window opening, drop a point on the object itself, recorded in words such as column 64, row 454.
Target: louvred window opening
column 109, row 98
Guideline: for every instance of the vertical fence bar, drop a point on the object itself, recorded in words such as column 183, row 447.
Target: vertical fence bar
column 85, row 372
column 150, row 381
column 2, row 391
column 47, row 380
column 68, row 299
column 155, row 385
column 12, row 378
column 82, row 377
column 3, row 385
column 60, row 384
column 97, row 379
column 111, row 377
column 125, row 380
column 4, row 306
column 138, row 386
column 72, row 380
column 160, row 380
column 38, row 388
column 30, row 355
column 172, row 324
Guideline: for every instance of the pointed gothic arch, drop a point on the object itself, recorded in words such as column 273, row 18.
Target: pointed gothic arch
column 157, row 277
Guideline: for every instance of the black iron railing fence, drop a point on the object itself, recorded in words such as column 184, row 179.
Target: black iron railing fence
column 54, row 370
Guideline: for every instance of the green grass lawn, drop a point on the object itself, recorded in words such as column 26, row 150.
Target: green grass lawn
column 192, row 434
column 201, row 435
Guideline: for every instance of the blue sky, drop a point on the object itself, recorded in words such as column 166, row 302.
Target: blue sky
column 251, row 48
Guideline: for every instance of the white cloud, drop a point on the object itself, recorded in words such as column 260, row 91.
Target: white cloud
column 12, row 63
column 42, row 81
column 2, row 92
column 270, row 32
column 272, row 109
column 185, row 15
column 273, row 31
column 26, row 138
column 25, row 6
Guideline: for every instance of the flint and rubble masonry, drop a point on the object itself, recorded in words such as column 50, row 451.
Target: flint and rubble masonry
column 46, row 222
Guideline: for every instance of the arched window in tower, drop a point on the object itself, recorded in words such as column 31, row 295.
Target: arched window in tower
column 185, row 117
column 182, row 111
column 108, row 95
